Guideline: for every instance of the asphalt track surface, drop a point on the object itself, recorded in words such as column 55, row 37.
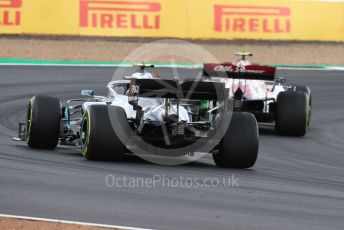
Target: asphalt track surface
column 297, row 183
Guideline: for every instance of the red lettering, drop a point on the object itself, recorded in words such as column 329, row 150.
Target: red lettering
column 253, row 24
column 218, row 18
column 244, row 18
column 277, row 26
column 239, row 24
column 121, row 21
column 106, row 21
column 157, row 22
column 146, row 22
column 9, row 14
column 11, row 3
column 6, row 20
column 134, row 24
column 266, row 26
column 17, row 18
column 119, row 8
column 287, row 26
column 227, row 24
column 94, row 20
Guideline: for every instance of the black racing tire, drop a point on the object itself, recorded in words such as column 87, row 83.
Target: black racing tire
column 293, row 111
column 43, row 122
column 308, row 92
column 98, row 139
column 300, row 88
column 239, row 146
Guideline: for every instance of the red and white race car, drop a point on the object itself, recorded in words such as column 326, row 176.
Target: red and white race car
column 256, row 89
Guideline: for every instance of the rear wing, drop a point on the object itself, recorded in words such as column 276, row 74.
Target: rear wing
column 193, row 90
column 250, row 72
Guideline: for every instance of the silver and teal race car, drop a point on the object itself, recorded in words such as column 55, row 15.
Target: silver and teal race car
column 145, row 115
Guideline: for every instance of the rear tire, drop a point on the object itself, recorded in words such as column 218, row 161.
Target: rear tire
column 308, row 92
column 293, row 113
column 43, row 122
column 300, row 88
column 239, row 146
column 98, row 138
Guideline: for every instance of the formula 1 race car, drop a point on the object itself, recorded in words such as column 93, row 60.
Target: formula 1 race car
column 256, row 90
column 140, row 109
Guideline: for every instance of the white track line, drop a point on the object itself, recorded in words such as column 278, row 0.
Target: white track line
column 72, row 222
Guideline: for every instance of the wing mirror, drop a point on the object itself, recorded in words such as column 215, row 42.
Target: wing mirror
column 278, row 80
column 87, row 92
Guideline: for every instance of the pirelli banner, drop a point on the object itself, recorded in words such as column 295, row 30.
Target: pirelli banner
column 203, row 19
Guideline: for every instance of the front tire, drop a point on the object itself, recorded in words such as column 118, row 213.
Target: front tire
column 239, row 146
column 98, row 139
column 43, row 122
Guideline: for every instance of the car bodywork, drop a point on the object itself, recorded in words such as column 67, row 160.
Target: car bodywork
column 253, row 87
column 170, row 113
column 160, row 101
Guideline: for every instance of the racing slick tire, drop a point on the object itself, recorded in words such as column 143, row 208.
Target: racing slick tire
column 98, row 139
column 300, row 88
column 308, row 92
column 293, row 113
column 239, row 146
column 43, row 122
